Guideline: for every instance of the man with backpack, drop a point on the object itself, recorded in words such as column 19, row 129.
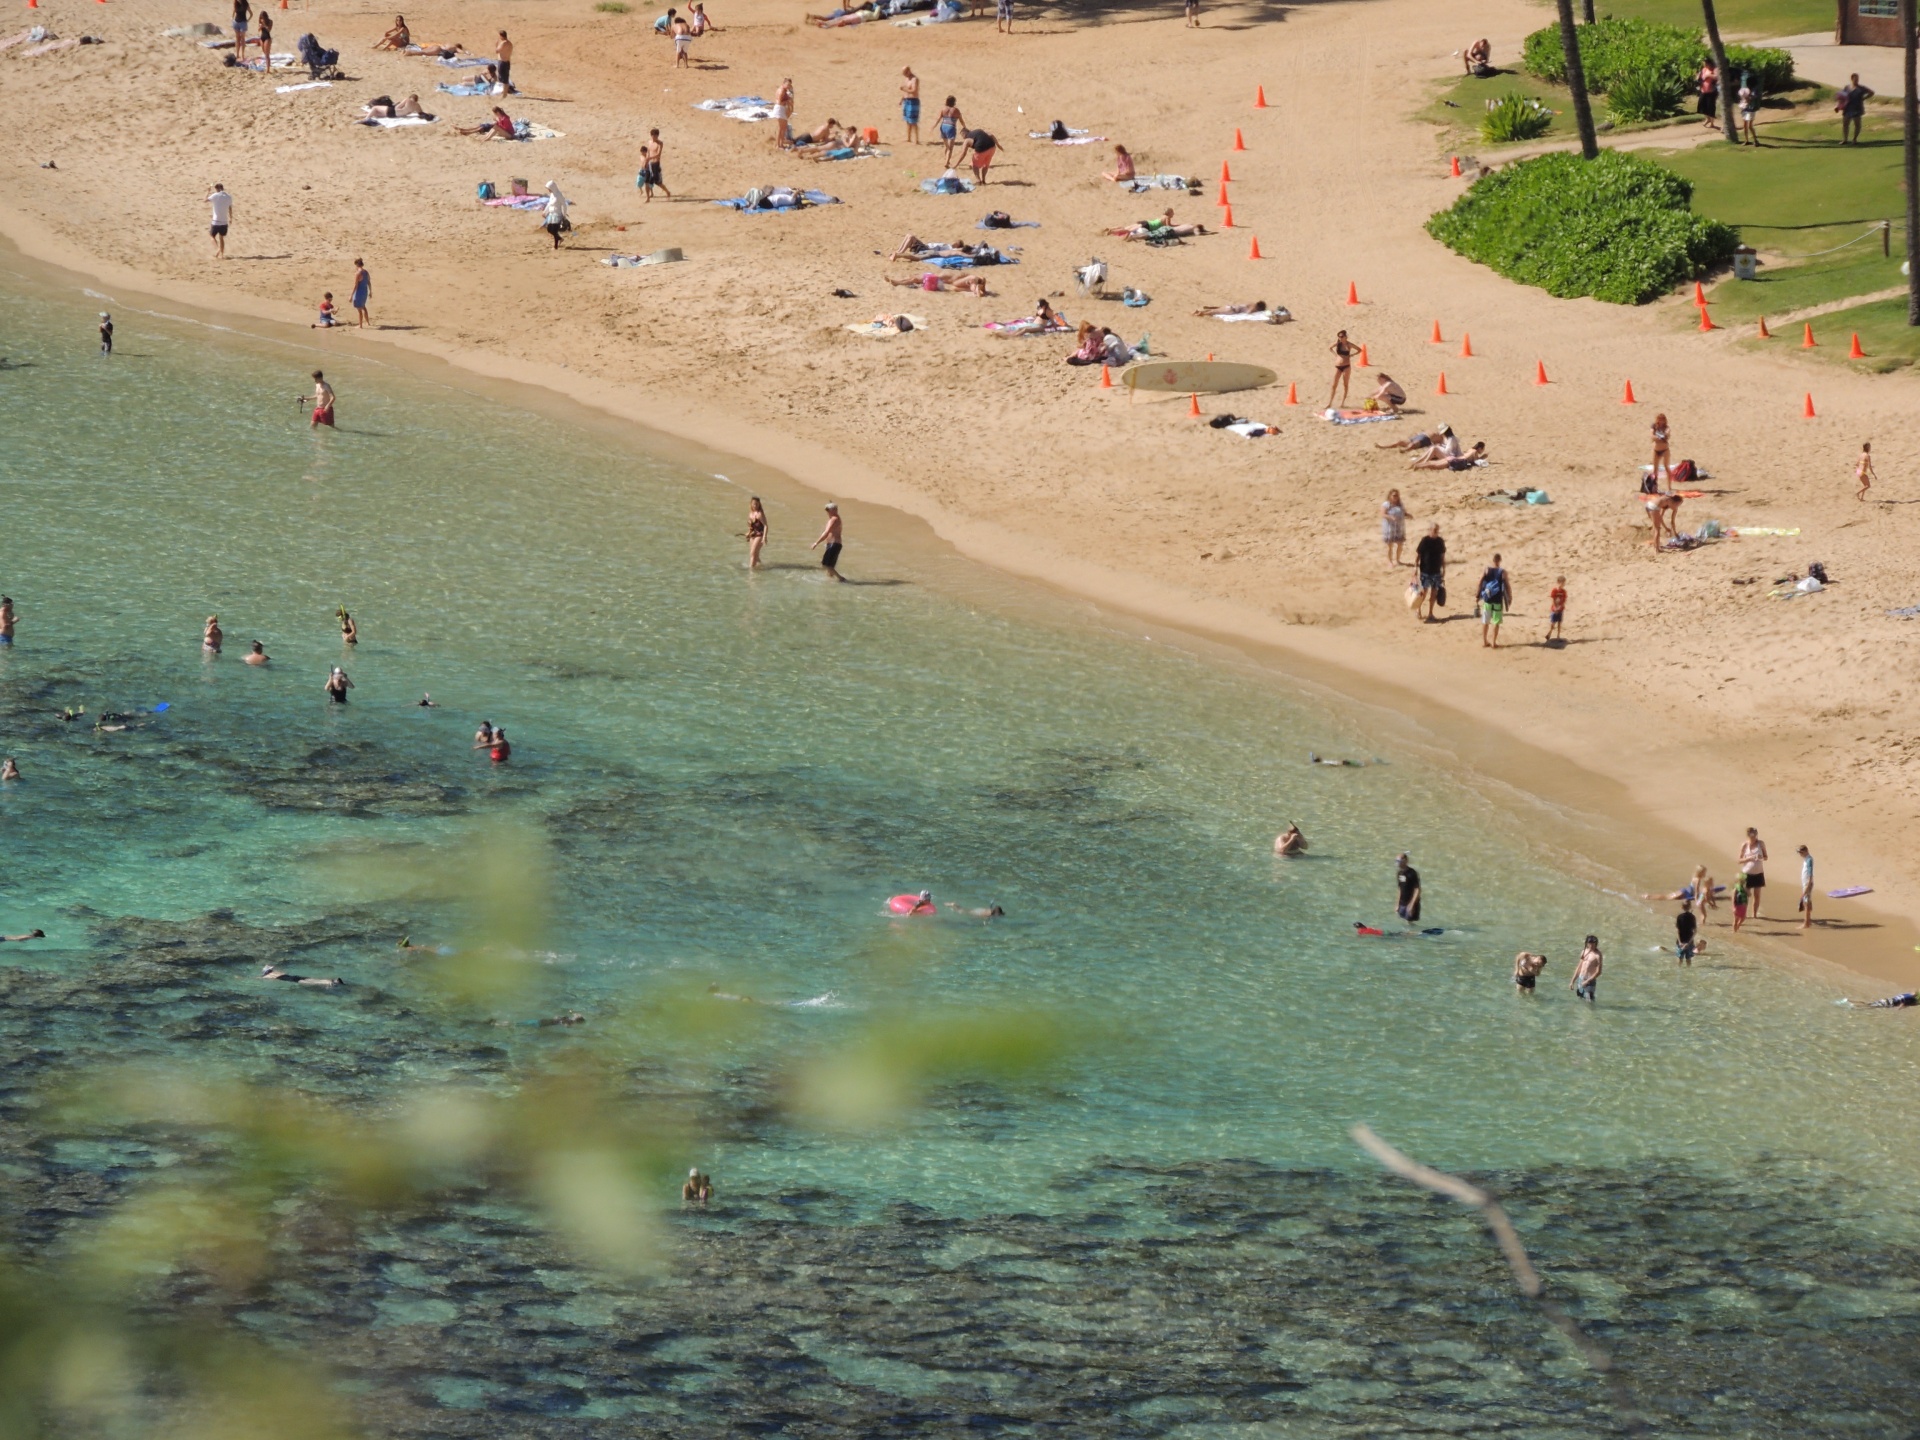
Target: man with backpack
column 1494, row 595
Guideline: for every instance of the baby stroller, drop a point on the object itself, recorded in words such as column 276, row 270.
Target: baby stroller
column 324, row 64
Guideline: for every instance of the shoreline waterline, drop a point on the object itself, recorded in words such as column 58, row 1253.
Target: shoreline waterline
column 1620, row 828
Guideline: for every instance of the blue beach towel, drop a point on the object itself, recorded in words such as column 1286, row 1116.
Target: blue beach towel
column 808, row 197
column 940, row 185
column 467, row 87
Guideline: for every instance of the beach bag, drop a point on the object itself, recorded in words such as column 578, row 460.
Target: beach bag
column 1413, row 594
column 1683, row 474
column 486, row 192
column 1650, row 483
column 1440, row 596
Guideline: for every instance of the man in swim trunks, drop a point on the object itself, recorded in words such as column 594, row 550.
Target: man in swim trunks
column 783, row 115
column 1685, row 924
column 831, row 538
column 6, row 620
column 258, row 655
column 1526, row 970
column 1586, row 976
column 1806, row 887
column 220, row 206
column 1494, row 594
column 650, row 155
column 682, row 43
column 1407, row 879
column 1430, row 558
column 322, row 401
column 910, row 104
column 503, row 63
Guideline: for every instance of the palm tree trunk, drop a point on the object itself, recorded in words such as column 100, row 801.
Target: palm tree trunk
column 1728, row 89
column 1912, row 163
column 1588, row 16
column 1577, row 80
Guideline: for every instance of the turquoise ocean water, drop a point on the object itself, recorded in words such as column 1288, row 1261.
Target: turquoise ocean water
column 734, row 771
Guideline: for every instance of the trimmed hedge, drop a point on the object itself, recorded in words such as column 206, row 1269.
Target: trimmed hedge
column 1617, row 228
column 1612, row 50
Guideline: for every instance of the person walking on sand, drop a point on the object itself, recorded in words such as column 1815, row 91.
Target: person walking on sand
column 1430, row 560
column 1495, row 594
column 106, row 333
column 1862, row 470
column 783, row 115
column 1851, row 102
column 1586, row 975
column 1806, row 887
column 1556, row 610
column 831, row 538
column 503, row 63
column 1526, row 970
column 756, row 532
column 910, row 104
column 1753, row 868
column 322, row 402
column 1393, row 527
column 362, row 292
column 1343, row 351
column 952, row 123
column 650, row 166
column 554, row 218
column 220, row 203
column 1193, row 14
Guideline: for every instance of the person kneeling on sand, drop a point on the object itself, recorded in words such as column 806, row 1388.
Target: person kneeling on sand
column 1389, row 396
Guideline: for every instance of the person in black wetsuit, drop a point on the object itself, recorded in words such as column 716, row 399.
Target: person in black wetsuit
column 1407, row 879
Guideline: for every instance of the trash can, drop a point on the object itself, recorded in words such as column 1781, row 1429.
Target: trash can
column 1746, row 261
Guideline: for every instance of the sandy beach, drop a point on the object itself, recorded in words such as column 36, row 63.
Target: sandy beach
column 1710, row 705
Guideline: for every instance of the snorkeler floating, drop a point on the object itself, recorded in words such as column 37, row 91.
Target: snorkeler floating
column 274, row 972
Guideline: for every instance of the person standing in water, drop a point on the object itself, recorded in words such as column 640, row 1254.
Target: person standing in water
column 500, row 752
column 831, row 538
column 322, row 401
column 349, row 632
column 258, row 655
column 106, row 336
column 1586, row 976
column 756, row 532
column 337, row 686
column 1526, row 970
column 698, row 1190
column 211, row 640
column 483, row 737
column 6, row 620
column 1407, row 882
column 9, row 771
column 1685, row 924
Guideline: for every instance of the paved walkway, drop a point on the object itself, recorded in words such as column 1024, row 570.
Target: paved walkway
column 1816, row 57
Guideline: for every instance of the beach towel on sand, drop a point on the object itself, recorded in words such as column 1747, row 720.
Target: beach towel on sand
column 464, row 62
column 781, row 200
column 881, row 330
column 968, row 262
column 518, row 202
column 1140, row 184
column 394, row 122
column 466, row 87
column 1270, row 317
column 1026, row 325
column 739, row 107
column 1074, row 137
column 1356, row 417
column 933, row 186
column 280, row 62
column 1251, row 429
column 1010, row 225
column 303, row 85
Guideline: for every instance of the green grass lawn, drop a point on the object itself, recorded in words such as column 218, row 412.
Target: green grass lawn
column 1737, row 17
column 1890, row 343
column 1470, row 96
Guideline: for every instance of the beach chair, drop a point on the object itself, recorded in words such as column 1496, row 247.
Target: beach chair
column 322, row 63
column 1091, row 278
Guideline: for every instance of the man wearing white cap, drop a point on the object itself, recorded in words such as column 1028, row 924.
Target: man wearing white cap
column 698, row 1189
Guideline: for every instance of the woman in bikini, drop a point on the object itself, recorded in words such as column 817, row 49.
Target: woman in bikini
column 952, row 123
column 397, row 38
column 1343, row 352
column 1662, row 450
column 756, row 532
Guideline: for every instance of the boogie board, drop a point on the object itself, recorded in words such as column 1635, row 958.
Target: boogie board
column 1195, row 377
column 1849, row 892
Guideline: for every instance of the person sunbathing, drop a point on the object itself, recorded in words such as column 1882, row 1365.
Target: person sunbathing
column 972, row 284
column 1455, row 462
column 1045, row 320
column 411, row 106
column 439, row 52
column 1422, row 442
column 827, row 134
column 1445, row 448
column 1161, row 229
column 833, row 20
column 397, row 38
column 1122, row 172
column 1258, row 307
column 499, row 127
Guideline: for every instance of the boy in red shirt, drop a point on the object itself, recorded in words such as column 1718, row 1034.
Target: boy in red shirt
column 1556, row 609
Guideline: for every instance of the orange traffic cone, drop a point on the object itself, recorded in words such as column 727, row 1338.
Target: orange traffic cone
column 1293, row 393
column 1765, row 334
column 1627, row 399
column 1856, row 353
column 1226, row 216
column 1441, row 388
column 1436, row 334
column 33, row 4
column 1540, row 373
column 1808, row 342
column 1455, row 172
column 1209, row 357
column 1238, row 143
column 1259, row 97
column 1807, row 410
column 1466, row 346
column 1364, row 362
column 1253, row 253
column 1226, row 175
column 1706, row 322
column 1222, row 200
column 1353, row 293
column 1193, row 406
column 1699, row 295
column 1106, row 377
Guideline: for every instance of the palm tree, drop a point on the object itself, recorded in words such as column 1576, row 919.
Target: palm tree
column 1577, row 78
column 1727, row 88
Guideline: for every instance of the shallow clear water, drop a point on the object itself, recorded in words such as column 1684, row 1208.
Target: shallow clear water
column 735, row 771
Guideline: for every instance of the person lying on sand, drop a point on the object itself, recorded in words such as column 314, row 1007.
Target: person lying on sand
column 1423, row 441
column 1892, row 1002
column 398, row 37
column 1258, row 307
column 500, row 127
column 834, row 19
column 274, row 972
column 1044, row 320
column 828, row 133
column 1436, row 459
column 439, row 52
column 972, row 284
column 1161, row 229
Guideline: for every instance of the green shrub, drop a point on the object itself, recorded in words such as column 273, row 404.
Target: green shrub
column 613, row 7
column 1614, row 51
column 1515, row 117
column 1617, row 228
column 1651, row 95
